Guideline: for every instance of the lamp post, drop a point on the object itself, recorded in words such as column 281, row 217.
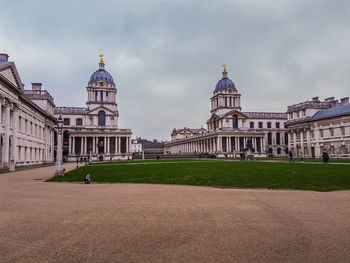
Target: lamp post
column 59, row 170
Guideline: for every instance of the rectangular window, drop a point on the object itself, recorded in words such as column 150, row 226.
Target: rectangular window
column 101, row 93
column 260, row 125
column 20, row 123
column 225, row 101
column 332, row 131
column 95, row 95
column 342, row 130
column 106, row 93
column 79, row 122
column 66, row 121
column 321, row 133
column 269, row 125
column 277, row 125
column 230, row 101
column 251, row 124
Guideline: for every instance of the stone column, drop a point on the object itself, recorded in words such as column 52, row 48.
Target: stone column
column 308, row 143
column 116, row 145
column 107, row 145
column 73, row 145
column 289, row 141
column 14, row 135
column 6, row 148
column 70, row 145
column 119, row 148
column 295, row 143
column 81, row 145
column 1, row 103
column 302, row 142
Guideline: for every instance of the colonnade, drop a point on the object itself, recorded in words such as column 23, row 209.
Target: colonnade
column 111, row 145
column 226, row 144
column 299, row 141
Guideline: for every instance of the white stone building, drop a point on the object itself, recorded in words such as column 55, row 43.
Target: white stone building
column 229, row 128
column 315, row 126
column 136, row 146
column 92, row 131
column 26, row 120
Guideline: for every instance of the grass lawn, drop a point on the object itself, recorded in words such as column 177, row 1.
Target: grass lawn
column 219, row 173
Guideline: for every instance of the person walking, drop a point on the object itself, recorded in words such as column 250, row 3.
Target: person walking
column 325, row 157
column 291, row 160
column 301, row 156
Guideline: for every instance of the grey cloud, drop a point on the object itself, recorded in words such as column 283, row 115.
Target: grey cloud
column 166, row 54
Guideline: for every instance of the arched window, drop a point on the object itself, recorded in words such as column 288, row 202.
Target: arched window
column 235, row 121
column 278, row 138
column 269, row 138
column 101, row 118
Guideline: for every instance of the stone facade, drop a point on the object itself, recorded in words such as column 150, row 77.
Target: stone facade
column 315, row 126
column 229, row 128
column 92, row 132
column 26, row 120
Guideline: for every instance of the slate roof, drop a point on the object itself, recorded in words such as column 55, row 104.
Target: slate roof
column 331, row 112
column 3, row 62
column 69, row 110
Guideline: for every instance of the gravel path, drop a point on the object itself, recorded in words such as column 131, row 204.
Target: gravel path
column 62, row 222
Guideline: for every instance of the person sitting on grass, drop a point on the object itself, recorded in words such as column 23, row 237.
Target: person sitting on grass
column 291, row 159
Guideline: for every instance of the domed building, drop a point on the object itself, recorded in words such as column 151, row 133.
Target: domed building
column 230, row 131
column 92, row 132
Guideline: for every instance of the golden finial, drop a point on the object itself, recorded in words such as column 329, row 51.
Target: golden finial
column 224, row 65
column 101, row 61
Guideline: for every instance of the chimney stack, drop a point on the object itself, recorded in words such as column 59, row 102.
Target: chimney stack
column 315, row 99
column 344, row 101
column 36, row 86
column 330, row 99
column 4, row 57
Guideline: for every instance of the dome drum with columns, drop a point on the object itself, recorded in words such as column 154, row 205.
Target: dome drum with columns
column 93, row 132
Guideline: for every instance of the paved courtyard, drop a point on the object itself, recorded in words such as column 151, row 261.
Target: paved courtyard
column 62, row 222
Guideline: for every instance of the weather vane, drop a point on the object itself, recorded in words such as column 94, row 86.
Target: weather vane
column 224, row 66
column 101, row 56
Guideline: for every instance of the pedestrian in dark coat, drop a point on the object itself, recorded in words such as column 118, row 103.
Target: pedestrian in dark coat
column 325, row 157
column 291, row 160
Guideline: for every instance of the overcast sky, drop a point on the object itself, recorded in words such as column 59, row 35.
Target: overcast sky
column 165, row 56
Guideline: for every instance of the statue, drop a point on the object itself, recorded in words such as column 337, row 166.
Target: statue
column 249, row 148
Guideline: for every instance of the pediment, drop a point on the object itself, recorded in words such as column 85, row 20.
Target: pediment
column 214, row 117
column 97, row 109
column 9, row 71
column 230, row 114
